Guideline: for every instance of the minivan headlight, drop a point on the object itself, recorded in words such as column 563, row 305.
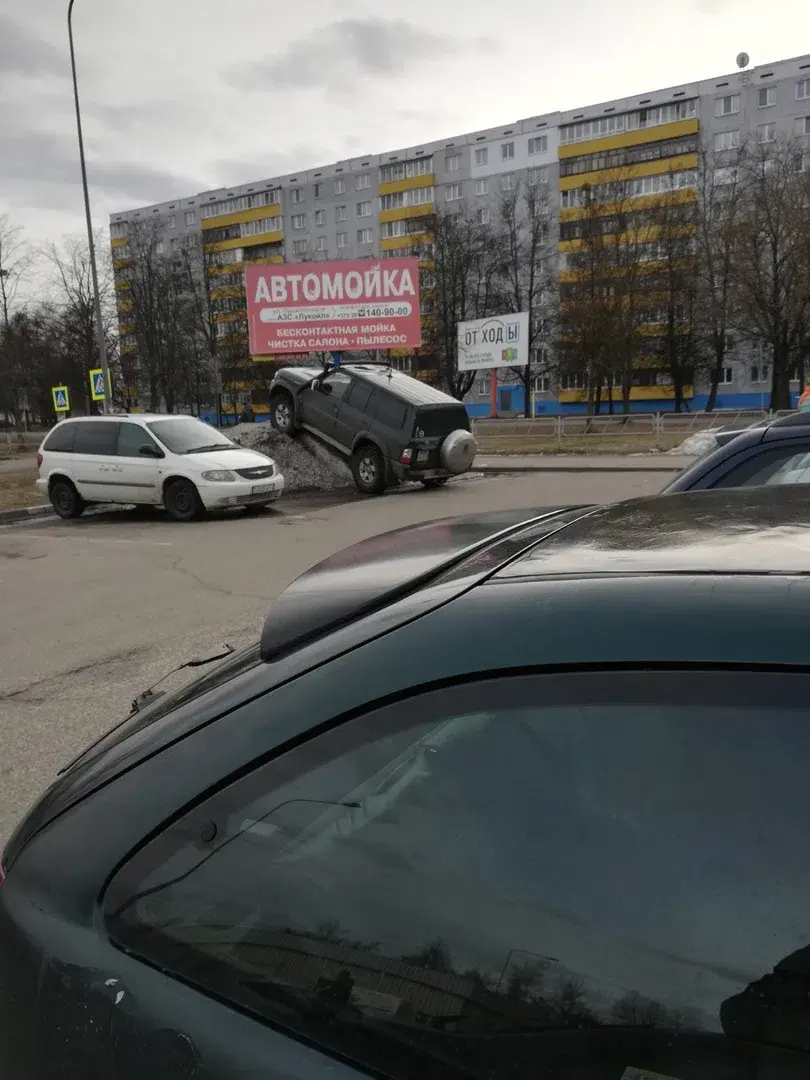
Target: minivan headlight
column 219, row 476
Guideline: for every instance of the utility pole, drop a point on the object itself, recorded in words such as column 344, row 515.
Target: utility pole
column 102, row 347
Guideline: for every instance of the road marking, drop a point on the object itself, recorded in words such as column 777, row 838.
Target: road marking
column 99, row 540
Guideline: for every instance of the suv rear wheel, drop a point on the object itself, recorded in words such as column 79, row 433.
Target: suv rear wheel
column 66, row 500
column 435, row 481
column 282, row 414
column 368, row 469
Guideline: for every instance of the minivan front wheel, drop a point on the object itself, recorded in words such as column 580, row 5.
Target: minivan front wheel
column 368, row 470
column 66, row 500
column 183, row 501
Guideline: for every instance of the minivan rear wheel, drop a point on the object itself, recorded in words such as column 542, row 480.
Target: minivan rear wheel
column 368, row 470
column 66, row 500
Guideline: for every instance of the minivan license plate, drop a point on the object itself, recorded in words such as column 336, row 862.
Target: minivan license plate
column 263, row 489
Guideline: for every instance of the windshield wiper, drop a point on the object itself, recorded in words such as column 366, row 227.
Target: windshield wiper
column 213, row 446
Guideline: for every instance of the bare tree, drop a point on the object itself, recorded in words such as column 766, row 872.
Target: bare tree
column 772, row 275
column 523, row 269
column 16, row 261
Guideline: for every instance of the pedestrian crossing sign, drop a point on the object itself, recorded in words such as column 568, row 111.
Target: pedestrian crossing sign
column 97, row 389
column 61, row 398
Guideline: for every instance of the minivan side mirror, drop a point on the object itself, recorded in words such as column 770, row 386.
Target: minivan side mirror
column 150, row 450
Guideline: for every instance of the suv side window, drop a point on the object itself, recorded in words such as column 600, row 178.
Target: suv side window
column 131, row 437
column 96, row 437
column 359, row 395
column 776, row 466
column 497, row 874
column 61, row 439
column 389, row 410
column 338, row 383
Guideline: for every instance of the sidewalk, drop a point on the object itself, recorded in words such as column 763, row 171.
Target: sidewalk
column 512, row 463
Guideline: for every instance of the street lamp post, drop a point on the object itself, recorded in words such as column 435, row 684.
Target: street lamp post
column 102, row 349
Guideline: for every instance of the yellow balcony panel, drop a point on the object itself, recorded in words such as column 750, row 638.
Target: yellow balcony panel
column 226, row 245
column 401, row 354
column 256, row 213
column 657, row 330
column 124, row 305
column 230, row 316
column 122, row 286
column 676, row 130
column 118, row 242
column 394, row 186
column 629, row 206
column 218, row 269
column 393, row 242
column 631, row 236
column 679, row 163
column 120, row 264
column 267, row 358
column 226, row 292
column 127, row 349
column 266, row 260
column 404, row 213
column 275, row 237
column 427, row 264
column 637, row 393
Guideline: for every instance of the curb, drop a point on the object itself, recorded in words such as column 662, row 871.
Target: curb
column 25, row 513
column 514, row 469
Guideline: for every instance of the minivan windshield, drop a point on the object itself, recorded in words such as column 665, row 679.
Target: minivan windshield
column 186, row 435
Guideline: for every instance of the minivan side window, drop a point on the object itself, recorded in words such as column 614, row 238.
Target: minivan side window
column 61, row 439
column 389, row 410
column 131, row 438
column 595, row 871
column 96, row 437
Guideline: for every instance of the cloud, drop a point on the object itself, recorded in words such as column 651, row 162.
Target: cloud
column 23, row 54
column 334, row 57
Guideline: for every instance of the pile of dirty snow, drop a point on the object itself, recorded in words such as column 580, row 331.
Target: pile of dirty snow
column 699, row 444
column 306, row 464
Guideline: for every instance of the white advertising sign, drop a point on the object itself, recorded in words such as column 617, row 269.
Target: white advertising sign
column 497, row 342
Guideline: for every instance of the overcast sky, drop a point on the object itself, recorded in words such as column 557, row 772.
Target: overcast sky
column 178, row 97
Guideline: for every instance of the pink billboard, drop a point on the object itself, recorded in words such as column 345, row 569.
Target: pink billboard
column 332, row 306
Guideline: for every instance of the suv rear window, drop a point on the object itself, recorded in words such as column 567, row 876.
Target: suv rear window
column 388, row 410
column 433, row 421
column 61, row 439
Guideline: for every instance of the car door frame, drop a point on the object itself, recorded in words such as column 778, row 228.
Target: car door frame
column 781, row 438
column 137, row 478
column 319, row 405
column 94, row 474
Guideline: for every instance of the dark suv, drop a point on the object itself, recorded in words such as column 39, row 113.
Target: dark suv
column 391, row 427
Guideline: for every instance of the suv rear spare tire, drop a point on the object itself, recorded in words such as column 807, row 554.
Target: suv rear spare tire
column 66, row 500
column 282, row 414
column 368, row 469
column 458, row 451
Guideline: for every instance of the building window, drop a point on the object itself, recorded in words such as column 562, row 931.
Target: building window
column 320, row 243
column 159, row 247
column 263, row 225
column 481, row 385
column 320, row 217
column 725, row 176
column 766, row 133
column 340, row 213
column 362, row 182
column 118, row 229
column 766, row 97
column 365, row 236
column 453, row 192
column 399, row 199
column 299, row 247
column 297, row 195
column 803, row 126
column 340, row 186
column 299, row 221
column 318, row 191
column 541, row 384
column 482, row 156
column 481, row 187
column 342, row 239
column 803, row 90
column 508, row 182
column 538, row 176
column 363, row 209
column 507, row 151
column 190, row 217
column 538, row 145
column 760, row 373
column 726, row 376
column 171, row 221
column 573, row 381
column 727, row 106
column 452, row 162
column 482, row 214
column 632, row 121
column 404, row 170
column 726, row 140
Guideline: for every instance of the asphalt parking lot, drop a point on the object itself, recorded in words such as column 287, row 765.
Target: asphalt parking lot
column 93, row 611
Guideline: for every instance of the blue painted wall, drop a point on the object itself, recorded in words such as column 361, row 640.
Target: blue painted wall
column 552, row 407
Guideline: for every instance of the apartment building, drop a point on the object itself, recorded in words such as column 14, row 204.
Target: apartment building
column 380, row 206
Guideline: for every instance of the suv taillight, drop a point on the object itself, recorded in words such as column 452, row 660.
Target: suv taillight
column 39, row 460
column 406, row 456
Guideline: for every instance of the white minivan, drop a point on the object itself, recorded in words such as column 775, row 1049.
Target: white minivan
column 173, row 461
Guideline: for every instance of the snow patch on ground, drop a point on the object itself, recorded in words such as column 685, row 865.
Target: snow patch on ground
column 305, row 463
column 699, row 444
